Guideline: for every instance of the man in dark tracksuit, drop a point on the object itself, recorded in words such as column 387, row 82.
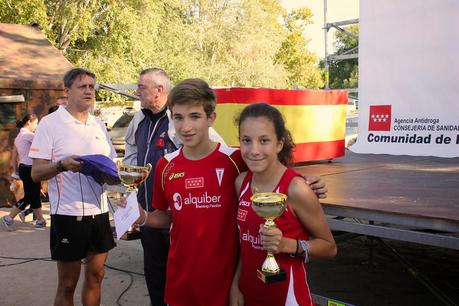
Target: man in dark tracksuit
column 149, row 136
column 147, row 141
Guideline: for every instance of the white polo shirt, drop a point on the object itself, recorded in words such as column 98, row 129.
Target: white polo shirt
column 60, row 135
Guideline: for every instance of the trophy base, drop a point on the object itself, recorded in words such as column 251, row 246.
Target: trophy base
column 129, row 235
column 269, row 278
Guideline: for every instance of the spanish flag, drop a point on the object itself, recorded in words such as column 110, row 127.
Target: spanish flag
column 315, row 118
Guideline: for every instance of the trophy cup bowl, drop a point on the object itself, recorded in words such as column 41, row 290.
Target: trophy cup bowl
column 269, row 206
column 131, row 177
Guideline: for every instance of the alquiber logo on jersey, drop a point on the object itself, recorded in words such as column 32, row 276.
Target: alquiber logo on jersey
column 253, row 238
column 380, row 117
column 203, row 200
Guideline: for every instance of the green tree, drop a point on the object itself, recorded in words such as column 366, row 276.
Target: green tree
column 228, row 43
column 300, row 63
column 344, row 73
column 121, row 44
column 23, row 12
column 64, row 22
column 230, row 47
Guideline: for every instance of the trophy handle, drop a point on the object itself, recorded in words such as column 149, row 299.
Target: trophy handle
column 149, row 166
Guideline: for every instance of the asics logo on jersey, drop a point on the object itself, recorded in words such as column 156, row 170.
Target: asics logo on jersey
column 176, row 175
column 245, row 203
column 177, row 198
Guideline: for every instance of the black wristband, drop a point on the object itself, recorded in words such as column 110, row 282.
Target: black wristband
column 296, row 251
column 60, row 167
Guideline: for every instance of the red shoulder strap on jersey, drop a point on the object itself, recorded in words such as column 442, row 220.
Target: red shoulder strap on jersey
column 286, row 179
column 247, row 178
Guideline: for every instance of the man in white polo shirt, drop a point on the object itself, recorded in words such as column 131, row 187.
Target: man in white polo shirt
column 80, row 229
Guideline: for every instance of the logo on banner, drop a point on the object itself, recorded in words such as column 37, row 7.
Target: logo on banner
column 219, row 172
column 196, row 182
column 380, row 117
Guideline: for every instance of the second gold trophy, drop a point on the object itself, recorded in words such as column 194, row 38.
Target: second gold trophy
column 269, row 206
column 131, row 177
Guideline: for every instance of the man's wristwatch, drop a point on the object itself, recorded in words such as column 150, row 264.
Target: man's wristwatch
column 60, row 167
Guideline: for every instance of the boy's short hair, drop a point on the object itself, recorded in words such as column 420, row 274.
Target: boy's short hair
column 193, row 91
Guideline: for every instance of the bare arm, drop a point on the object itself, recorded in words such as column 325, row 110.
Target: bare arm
column 43, row 169
column 14, row 159
column 159, row 219
column 309, row 212
column 317, row 185
column 236, row 297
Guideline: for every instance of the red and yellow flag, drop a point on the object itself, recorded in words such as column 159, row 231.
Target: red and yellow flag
column 316, row 118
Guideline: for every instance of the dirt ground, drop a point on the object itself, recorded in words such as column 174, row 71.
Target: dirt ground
column 351, row 277
column 359, row 278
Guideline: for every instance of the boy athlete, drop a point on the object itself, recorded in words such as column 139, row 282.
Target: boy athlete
column 194, row 190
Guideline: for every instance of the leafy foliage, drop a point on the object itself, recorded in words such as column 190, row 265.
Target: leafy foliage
column 344, row 73
column 293, row 54
column 228, row 43
column 23, row 12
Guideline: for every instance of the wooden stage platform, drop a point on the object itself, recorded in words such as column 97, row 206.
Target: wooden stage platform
column 404, row 198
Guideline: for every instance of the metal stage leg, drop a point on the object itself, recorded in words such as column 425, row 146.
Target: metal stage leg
column 371, row 249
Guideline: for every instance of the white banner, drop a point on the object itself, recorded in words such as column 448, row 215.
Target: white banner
column 409, row 78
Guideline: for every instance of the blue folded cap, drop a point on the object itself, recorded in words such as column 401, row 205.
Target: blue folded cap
column 101, row 168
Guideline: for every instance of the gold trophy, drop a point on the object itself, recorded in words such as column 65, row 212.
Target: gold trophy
column 131, row 177
column 269, row 206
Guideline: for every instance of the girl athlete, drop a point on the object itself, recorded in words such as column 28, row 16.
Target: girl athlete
column 302, row 231
column 32, row 194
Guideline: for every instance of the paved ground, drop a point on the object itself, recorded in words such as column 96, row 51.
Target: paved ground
column 349, row 277
column 33, row 282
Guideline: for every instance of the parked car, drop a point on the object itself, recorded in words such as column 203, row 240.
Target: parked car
column 352, row 105
column 352, row 129
column 118, row 131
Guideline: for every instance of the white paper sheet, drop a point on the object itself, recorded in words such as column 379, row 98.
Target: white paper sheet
column 126, row 216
